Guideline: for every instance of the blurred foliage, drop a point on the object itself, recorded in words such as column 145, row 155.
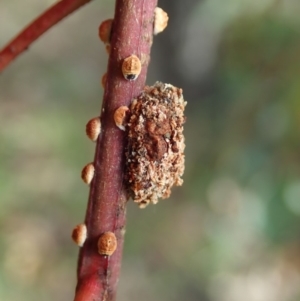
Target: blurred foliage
column 231, row 232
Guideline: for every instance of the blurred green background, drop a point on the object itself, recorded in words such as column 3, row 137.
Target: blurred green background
column 232, row 231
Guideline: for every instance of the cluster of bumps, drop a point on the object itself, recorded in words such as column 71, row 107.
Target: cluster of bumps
column 155, row 151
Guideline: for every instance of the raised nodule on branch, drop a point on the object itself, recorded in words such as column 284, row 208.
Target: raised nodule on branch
column 79, row 234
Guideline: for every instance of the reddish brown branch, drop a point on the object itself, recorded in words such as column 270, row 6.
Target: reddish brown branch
column 34, row 30
column 132, row 34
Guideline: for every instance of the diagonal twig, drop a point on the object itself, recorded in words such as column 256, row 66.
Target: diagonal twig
column 132, row 35
column 34, row 30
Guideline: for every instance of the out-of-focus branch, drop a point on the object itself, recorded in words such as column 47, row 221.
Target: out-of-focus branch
column 132, row 35
column 34, row 30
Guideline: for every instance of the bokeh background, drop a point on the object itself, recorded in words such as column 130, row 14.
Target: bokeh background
column 232, row 231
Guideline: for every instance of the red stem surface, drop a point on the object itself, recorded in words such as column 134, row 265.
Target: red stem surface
column 34, row 30
column 132, row 34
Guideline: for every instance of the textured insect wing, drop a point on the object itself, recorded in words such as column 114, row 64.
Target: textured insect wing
column 155, row 150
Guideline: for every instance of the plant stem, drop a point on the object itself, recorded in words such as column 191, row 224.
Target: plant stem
column 34, row 30
column 132, row 34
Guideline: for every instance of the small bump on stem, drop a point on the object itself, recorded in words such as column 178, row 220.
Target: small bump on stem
column 105, row 31
column 107, row 244
column 160, row 20
column 131, row 67
column 79, row 234
column 103, row 80
column 107, row 48
column 93, row 128
column 87, row 173
column 120, row 117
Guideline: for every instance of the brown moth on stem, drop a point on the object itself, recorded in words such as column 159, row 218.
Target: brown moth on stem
column 155, row 151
